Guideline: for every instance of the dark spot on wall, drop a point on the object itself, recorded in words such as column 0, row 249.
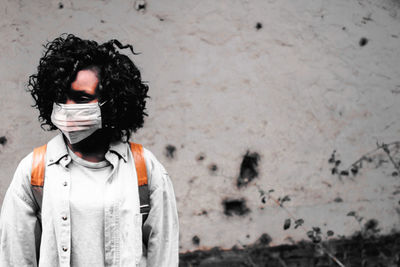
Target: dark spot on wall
column 344, row 28
column 332, row 158
column 394, row 174
column 363, row 41
column 338, row 199
column 3, row 140
column 102, row 21
column 259, row 26
column 170, row 151
column 196, row 240
column 286, row 224
column 371, row 227
column 200, row 157
column 213, row 167
column 396, row 92
column 248, row 168
column 247, row 236
column 298, row 223
column 264, row 239
column 235, row 207
column 365, row 19
column 60, row 5
column 140, row 5
column 327, row 184
column 192, row 179
column 202, row 212
column 282, row 200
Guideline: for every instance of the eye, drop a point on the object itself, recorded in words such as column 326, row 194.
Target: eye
column 83, row 99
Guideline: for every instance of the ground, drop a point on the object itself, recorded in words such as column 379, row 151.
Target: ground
column 356, row 251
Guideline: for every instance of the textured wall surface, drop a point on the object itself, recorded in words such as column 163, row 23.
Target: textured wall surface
column 287, row 81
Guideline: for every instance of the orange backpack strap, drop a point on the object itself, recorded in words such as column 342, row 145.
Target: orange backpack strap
column 140, row 165
column 37, row 175
column 38, row 166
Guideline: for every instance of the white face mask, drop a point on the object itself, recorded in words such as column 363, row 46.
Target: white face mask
column 76, row 121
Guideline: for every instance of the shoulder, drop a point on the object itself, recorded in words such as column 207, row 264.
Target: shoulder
column 157, row 174
column 23, row 172
column 21, row 182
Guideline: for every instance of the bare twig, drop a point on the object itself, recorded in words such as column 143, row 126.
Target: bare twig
column 383, row 146
column 387, row 151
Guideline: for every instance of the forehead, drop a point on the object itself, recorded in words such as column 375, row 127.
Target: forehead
column 86, row 81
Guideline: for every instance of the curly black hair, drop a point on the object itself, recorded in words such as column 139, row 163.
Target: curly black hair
column 120, row 84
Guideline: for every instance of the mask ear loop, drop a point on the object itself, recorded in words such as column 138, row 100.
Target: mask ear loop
column 101, row 104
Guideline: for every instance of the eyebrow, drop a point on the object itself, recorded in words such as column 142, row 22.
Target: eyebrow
column 75, row 93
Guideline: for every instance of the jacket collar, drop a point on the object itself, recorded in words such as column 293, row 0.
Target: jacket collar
column 57, row 150
column 121, row 149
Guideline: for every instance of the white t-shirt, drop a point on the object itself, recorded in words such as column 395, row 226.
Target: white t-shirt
column 87, row 210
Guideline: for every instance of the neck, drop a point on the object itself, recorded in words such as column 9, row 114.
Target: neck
column 92, row 148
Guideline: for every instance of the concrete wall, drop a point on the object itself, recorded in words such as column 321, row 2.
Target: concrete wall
column 290, row 81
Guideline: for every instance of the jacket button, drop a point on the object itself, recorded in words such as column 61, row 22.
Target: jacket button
column 64, row 248
column 64, row 218
column 65, row 183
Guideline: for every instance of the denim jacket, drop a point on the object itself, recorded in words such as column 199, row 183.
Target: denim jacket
column 24, row 242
